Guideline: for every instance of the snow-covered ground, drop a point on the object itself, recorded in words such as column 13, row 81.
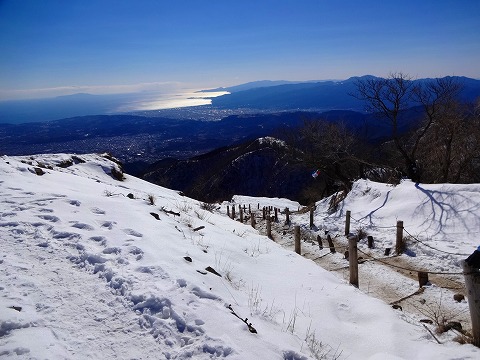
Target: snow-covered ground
column 89, row 273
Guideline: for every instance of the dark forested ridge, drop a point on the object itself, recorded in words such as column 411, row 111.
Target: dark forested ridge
column 139, row 140
column 262, row 167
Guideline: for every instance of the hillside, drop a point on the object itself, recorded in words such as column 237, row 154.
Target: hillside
column 89, row 273
column 262, row 167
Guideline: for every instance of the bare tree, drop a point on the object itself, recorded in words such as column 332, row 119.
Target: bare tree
column 390, row 98
column 333, row 149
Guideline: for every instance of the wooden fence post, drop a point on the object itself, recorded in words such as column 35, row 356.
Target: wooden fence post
column 319, row 240
column 228, row 210
column 347, row 222
column 252, row 219
column 241, row 213
column 422, row 278
column 263, row 213
column 399, row 242
column 233, row 212
column 249, row 209
column 297, row 239
column 311, row 216
column 287, row 216
column 269, row 228
column 330, row 243
column 276, row 215
column 353, row 260
column 472, row 283
column 370, row 241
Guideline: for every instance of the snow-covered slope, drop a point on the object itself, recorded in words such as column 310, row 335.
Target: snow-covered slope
column 89, row 273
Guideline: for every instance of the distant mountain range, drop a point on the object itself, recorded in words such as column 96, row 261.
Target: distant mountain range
column 265, row 95
column 315, row 96
column 260, row 84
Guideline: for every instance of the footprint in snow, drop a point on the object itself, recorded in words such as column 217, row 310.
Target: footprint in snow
column 75, row 203
column 97, row 211
column 8, row 214
column 46, row 210
column 102, row 240
column 132, row 232
column 136, row 252
column 108, row 224
column 58, row 195
column 83, row 226
column 202, row 294
column 51, row 218
column 156, row 271
column 42, row 225
column 9, row 224
column 112, row 250
column 65, row 235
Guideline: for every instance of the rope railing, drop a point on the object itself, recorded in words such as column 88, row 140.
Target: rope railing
column 410, row 269
column 372, row 225
column 341, row 248
column 412, row 236
column 431, row 247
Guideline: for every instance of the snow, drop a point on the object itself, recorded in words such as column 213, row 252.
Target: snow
column 97, row 276
column 272, row 141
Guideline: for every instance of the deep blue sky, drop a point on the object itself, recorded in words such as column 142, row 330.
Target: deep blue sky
column 100, row 46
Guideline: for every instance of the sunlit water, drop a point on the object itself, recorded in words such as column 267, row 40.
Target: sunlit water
column 159, row 101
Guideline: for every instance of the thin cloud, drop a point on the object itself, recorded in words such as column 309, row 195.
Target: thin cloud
column 161, row 87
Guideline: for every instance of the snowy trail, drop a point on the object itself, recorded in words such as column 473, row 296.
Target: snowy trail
column 75, row 307
column 377, row 279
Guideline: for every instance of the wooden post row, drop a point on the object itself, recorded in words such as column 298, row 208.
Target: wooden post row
column 370, row 241
column 297, row 239
column 330, row 244
column 347, row 222
column 269, row 228
column 422, row 278
column 311, row 216
column 353, row 260
column 319, row 240
column 399, row 242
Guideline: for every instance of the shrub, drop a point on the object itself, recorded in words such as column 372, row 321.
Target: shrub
column 151, row 199
column 207, row 206
column 117, row 174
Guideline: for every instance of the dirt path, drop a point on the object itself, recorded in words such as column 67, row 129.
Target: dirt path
column 379, row 278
